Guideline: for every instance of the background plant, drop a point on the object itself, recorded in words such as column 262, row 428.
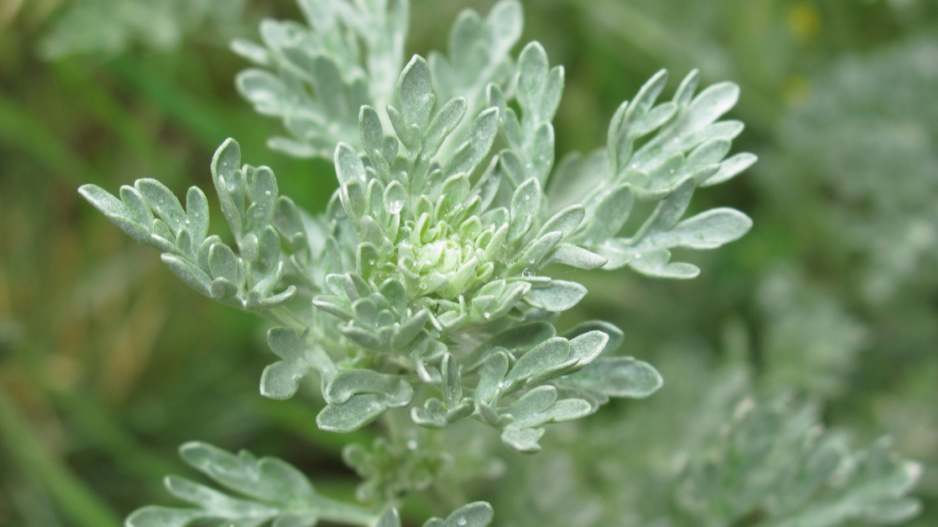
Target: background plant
column 658, row 316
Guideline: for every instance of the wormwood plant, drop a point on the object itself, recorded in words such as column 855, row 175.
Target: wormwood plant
column 423, row 296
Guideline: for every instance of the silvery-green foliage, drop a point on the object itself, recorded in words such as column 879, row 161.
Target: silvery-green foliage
column 660, row 153
column 478, row 57
column 809, row 340
column 868, row 145
column 266, row 491
column 477, row 514
column 775, row 462
column 425, row 459
column 269, row 491
column 316, row 77
column 390, row 470
column 449, row 243
column 479, row 53
column 708, row 451
column 620, row 467
column 111, row 26
column 909, row 412
column 429, row 265
column 151, row 214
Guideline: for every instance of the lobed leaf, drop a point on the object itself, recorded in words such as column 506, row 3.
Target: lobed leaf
column 559, row 295
column 617, row 377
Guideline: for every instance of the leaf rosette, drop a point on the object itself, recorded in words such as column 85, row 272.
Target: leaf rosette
column 429, row 273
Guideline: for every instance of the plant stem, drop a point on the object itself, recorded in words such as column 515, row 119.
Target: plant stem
column 283, row 315
column 339, row 512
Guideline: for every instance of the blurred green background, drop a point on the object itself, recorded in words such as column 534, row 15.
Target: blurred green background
column 107, row 363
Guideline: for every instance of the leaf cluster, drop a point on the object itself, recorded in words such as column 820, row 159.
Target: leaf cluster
column 316, row 77
column 269, row 491
column 151, row 214
column 775, row 462
column 713, row 452
column 427, row 280
column 428, row 267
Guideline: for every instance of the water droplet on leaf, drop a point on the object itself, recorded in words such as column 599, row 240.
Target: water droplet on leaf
column 395, row 206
